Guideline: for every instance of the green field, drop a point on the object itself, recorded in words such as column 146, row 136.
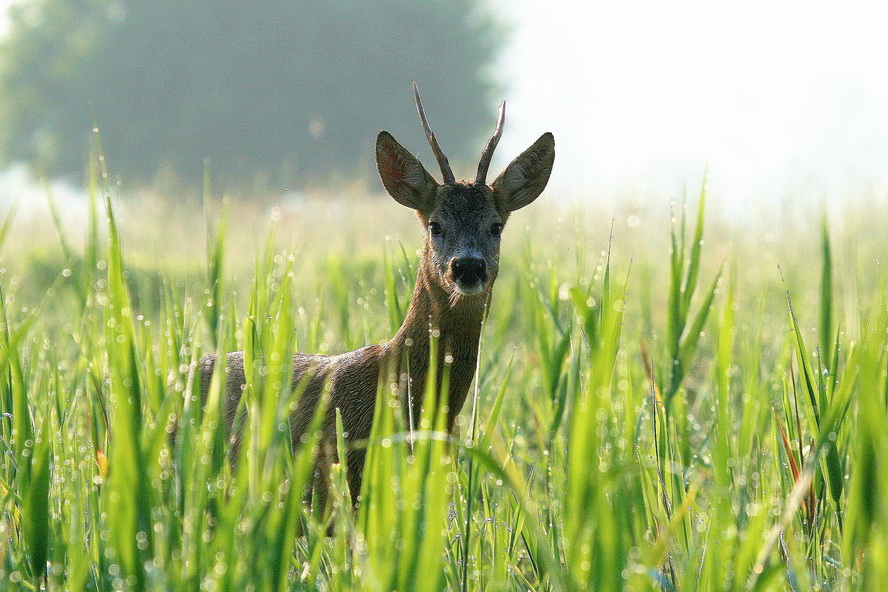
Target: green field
column 684, row 404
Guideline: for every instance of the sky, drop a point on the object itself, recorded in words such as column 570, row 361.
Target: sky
column 769, row 96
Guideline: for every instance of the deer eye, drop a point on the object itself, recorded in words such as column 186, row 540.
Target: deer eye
column 434, row 228
column 496, row 229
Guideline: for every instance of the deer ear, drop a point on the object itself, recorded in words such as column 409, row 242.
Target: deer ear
column 526, row 176
column 403, row 175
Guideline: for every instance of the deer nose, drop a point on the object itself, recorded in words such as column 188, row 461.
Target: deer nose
column 468, row 270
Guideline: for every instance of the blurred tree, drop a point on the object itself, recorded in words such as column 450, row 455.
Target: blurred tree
column 288, row 89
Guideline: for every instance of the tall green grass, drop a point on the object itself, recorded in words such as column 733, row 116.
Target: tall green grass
column 641, row 419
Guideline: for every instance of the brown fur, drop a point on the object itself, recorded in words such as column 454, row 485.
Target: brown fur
column 440, row 303
column 354, row 376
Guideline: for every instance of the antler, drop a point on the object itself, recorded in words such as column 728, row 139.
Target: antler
column 484, row 163
column 436, row 149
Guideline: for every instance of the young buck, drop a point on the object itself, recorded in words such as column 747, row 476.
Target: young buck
column 463, row 221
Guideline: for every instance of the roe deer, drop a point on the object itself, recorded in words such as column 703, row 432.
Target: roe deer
column 463, row 222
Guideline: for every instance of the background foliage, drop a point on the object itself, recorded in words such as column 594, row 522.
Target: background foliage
column 658, row 406
column 287, row 89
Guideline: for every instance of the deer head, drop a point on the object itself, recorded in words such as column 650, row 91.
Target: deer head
column 463, row 219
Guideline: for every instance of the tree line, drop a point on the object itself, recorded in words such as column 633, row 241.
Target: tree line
column 291, row 90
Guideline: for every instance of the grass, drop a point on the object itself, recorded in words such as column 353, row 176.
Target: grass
column 655, row 409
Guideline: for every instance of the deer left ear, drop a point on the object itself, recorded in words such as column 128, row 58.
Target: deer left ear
column 403, row 175
column 526, row 176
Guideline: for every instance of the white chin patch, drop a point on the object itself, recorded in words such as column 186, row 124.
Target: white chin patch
column 470, row 290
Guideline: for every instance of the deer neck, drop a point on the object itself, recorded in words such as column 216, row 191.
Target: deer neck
column 455, row 323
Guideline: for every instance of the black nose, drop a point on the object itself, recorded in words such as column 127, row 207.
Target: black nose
column 469, row 270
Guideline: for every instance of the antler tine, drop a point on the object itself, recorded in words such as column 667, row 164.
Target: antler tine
column 433, row 142
column 487, row 155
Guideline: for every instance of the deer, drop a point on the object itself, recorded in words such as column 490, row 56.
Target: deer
column 463, row 222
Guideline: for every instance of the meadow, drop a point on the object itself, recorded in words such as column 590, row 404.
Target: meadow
column 666, row 400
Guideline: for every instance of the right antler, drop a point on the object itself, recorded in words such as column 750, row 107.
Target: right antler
column 436, row 149
column 484, row 163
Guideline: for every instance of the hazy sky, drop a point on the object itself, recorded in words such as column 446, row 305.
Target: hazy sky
column 769, row 94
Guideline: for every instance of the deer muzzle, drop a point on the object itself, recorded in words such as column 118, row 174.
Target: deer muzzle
column 469, row 273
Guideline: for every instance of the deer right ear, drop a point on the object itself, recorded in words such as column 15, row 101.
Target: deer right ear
column 526, row 177
column 403, row 175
